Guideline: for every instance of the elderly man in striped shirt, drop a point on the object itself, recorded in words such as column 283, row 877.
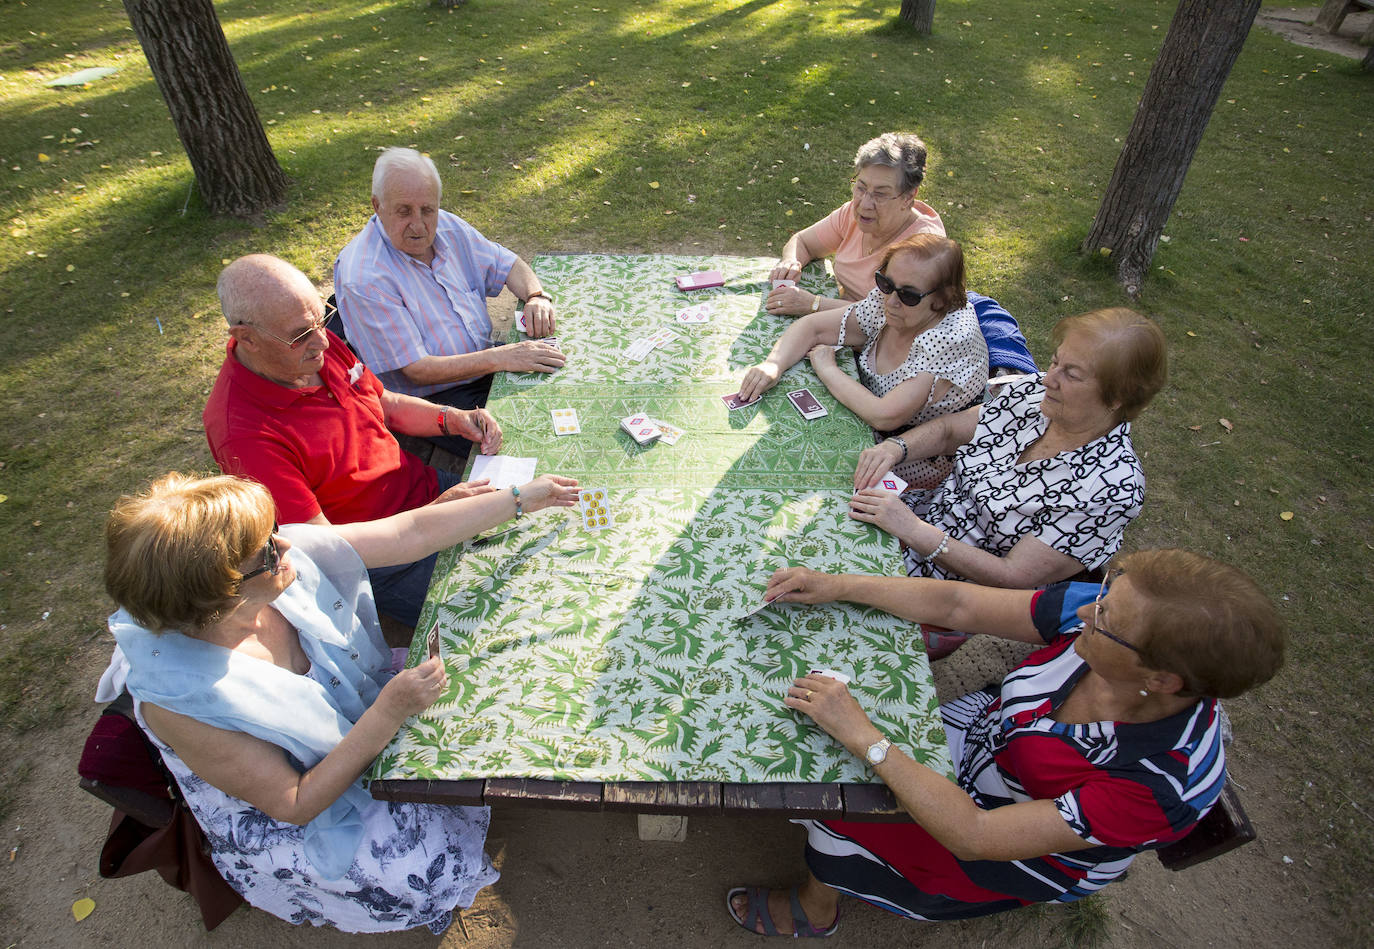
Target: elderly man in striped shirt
column 412, row 289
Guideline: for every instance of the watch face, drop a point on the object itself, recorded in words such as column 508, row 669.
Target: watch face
column 877, row 752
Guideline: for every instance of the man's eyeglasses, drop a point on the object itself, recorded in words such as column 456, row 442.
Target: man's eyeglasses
column 860, row 191
column 907, row 295
column 296, row 342
column 1097, row 613
column 271, row 557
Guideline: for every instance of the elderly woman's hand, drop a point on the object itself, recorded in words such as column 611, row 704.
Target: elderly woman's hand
column 875, row 462
column 884, row 510
column 789, row 268
column 801, row 585
column 548, row 491
column 411, row 691
column 758, row 380
column 830, row 705
column 822, row 357
column 789, row 301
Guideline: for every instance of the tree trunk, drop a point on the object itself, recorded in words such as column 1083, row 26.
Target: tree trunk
column 1202, row 44
column 919, row 13
column 215, row 120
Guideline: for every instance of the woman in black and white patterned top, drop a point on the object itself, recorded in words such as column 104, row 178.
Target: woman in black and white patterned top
column 920, row 352
column 1045, row 478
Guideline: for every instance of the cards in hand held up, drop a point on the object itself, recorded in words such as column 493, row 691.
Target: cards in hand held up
column 596, row 516
column 806, row 404
column 432, row 640
column 565, row 422
column 891, row 483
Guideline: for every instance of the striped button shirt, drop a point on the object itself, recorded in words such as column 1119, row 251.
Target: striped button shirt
column 398, row 310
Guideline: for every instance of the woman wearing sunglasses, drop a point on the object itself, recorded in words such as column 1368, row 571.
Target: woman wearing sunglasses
column 1045, row 476
column 1103, row 744
column 883, row 209
column 258, row 669
column 920, row 352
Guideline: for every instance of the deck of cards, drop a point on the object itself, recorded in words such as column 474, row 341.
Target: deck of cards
column 596, row 516
column 565, row 422
column 641, row 428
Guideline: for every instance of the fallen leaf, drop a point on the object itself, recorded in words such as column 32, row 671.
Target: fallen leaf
column 42, row 157
column 1191, row 333
column 83, row 908
column 1226, row 424
column 654, row 185
column 1286, row 516
column 1194, row 428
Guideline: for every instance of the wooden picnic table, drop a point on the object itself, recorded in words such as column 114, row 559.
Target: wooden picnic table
column 614, row 669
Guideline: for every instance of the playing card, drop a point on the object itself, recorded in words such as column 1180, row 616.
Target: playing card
column 784, row 283
column 890, row 482
column 640, row 348
column 806, row 404
column 432, row 640
column 520, row 322
column 832, row 673
column 641, row 428
column 596, row 516
column 565, row 422
column 757, row 609
column 668, row 434
column 503, row 470
column 663, row 337
column 700, row 313
column 733, row 401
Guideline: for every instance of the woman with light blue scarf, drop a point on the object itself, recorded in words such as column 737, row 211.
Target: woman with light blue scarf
column 258, row 668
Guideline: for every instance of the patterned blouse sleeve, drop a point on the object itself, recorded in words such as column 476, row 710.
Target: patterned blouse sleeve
column 867, row 315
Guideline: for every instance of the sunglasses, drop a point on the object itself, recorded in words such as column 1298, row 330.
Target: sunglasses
column 271, row 557
column 1097, row 613
column 297, row 341
column 907, row 295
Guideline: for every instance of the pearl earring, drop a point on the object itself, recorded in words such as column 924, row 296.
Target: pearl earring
column 1145, row 693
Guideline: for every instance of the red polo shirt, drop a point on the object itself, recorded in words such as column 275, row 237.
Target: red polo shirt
column 322, row 448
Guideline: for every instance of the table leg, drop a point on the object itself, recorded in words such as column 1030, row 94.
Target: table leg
column 662, row 827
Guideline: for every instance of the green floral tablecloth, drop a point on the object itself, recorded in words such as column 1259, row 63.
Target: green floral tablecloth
column 619, row 655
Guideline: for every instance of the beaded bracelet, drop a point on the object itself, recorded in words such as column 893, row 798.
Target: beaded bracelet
column 516, row 493
column 941, row 548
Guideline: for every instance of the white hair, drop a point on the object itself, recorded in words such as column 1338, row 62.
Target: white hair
column 395, row 160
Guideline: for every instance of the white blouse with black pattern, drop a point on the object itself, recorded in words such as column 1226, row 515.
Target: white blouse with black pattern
column 953, row 349
column 1077, row 502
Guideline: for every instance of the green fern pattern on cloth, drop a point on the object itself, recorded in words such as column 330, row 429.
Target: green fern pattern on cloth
column 619, row 654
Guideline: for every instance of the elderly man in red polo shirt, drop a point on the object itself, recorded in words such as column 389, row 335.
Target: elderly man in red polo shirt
column 294, row 409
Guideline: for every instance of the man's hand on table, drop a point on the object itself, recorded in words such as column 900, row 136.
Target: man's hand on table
column 759, row 380
column 539, row 317
column 529, row 356
column 477, row 426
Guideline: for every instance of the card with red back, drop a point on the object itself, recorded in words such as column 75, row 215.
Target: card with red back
column 733, row 401
column 806, row 404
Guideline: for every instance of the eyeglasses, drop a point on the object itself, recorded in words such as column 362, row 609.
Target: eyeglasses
column 1097, row 613
column 315, row 325
column 271, row 557
column 907, row 295
column 860, row 191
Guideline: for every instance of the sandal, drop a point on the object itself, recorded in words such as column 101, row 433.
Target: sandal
column 756, row 906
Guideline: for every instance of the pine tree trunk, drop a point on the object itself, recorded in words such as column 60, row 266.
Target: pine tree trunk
column 919, row 13
column 1203, row 42
column 215, row 120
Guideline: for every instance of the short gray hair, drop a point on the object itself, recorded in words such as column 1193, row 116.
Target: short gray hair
column 901, row 150
column 258, row 287
column 395, row 160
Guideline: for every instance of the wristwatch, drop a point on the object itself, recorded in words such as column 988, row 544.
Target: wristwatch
column 538, row 293
column 877, row 753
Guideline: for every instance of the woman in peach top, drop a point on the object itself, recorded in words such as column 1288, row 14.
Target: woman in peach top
column 883, row 210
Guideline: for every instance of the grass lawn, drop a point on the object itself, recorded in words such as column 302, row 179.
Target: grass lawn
column 682, row 124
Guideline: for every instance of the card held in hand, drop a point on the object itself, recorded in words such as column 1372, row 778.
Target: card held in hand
column 891, row 483
column 432, row 640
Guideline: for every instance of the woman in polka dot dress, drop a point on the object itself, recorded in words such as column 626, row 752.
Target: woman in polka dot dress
column 919, row 351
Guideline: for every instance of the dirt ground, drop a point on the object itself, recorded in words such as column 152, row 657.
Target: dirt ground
column 585, row 880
